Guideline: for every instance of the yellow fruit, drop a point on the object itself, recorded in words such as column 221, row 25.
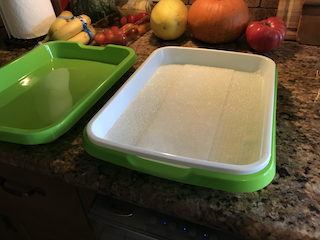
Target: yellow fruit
column 168, row 19
column 83, row 36
column 72, row 28
column 60, row 21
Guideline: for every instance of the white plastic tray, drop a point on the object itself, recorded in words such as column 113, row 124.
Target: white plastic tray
column 102, row 122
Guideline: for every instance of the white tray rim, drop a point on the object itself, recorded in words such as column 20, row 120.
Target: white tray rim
column 181, row 161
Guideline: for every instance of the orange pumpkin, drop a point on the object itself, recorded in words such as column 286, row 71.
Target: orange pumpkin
column 218, row 21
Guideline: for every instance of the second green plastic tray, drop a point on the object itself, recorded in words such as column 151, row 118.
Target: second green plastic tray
column 46, row 91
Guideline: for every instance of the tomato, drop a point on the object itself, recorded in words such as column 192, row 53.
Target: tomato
column 266, row 35
column 132, row 33
column 131, row 18
column 99, row 38
column 109, row 35
column 123, row 21
column 142, row 15
column 126, row 26
column 120, row 39
column 141, row 28
column 107, row 31
column 114, row 28
column 118, row 32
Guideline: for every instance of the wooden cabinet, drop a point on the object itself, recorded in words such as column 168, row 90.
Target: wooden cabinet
column 36, row 207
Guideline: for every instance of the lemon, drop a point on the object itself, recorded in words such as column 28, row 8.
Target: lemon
column 168, row 19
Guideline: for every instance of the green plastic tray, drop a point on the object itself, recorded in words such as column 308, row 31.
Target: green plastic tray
column 46, row 91
column 194, row 176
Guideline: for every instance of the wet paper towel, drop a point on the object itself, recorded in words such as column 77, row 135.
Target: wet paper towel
column 27, row 19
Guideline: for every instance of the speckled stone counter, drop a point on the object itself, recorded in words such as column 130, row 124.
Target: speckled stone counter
column 288, row 208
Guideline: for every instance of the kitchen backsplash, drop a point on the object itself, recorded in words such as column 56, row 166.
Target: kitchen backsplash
column 259, row 9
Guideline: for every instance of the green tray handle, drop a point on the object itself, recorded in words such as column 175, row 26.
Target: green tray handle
column 160, row 169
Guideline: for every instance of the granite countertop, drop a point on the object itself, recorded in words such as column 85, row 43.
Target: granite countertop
column 288, row 208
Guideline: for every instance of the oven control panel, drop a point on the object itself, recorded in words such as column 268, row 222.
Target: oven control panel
column 112, row 219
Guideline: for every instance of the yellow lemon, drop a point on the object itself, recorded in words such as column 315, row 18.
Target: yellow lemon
column 168, row 19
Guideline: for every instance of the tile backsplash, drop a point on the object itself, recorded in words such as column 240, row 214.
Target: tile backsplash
column 261, row 9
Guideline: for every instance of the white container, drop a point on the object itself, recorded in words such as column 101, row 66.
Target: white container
column 104, row 120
